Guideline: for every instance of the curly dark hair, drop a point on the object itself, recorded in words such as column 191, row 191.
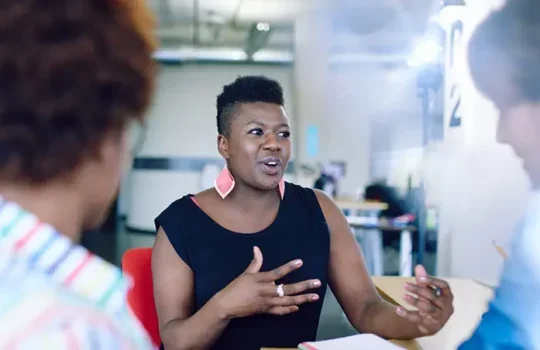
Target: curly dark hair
column 245, row 89
column 509, row 40
column 72, row 72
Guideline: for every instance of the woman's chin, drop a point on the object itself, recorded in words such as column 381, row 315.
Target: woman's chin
column 268, row 184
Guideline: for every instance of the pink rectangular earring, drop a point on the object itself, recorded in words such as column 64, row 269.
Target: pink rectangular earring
column 224, row 183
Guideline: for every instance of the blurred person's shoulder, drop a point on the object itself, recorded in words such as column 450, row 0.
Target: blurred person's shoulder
column 527, row 242
column 36, row 313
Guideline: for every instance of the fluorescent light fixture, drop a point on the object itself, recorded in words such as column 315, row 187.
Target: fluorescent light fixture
column 200, row 54
column 230, row 54
column 426, row 52
column 273, row 56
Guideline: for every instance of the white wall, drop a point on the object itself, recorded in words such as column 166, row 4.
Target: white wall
column 377, row 109
column 341, row 99
column 397, row 166
column 373, row 107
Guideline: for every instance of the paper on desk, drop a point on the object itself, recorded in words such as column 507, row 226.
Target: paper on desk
column 355, row 342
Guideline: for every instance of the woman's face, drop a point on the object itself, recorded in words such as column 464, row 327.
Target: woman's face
column 258, row 147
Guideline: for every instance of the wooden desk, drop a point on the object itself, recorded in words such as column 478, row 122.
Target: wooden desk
column 470, row 302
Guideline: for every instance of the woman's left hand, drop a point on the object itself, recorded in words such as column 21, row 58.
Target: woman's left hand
column 433, row 299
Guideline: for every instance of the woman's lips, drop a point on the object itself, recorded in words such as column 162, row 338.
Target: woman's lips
column 271, row 169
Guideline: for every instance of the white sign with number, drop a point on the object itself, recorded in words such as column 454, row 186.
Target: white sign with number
column 452, row 20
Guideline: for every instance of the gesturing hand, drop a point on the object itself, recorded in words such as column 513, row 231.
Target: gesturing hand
column 256, row 292
column 432, row 297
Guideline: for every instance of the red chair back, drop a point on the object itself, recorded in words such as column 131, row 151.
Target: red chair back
column 137, row 262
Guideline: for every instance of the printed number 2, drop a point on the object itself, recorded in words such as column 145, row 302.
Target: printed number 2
column 455, row 40
column 455, row 117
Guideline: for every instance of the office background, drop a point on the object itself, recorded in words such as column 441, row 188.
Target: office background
column 352, row 90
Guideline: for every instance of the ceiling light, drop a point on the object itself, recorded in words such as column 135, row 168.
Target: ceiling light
column 426, row 53
column 263, row 27
column 257, row 38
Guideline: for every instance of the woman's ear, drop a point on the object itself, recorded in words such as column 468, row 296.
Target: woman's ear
column 223, row 146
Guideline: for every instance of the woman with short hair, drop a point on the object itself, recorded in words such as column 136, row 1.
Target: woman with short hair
column 246, row 264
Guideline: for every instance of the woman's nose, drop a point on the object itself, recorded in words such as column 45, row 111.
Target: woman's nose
column 271, row 143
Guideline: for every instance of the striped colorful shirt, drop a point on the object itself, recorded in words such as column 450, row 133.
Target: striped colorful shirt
column 56, row 295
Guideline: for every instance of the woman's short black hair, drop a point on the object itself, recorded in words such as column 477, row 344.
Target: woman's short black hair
column 245, row 89
column 508, row 41
column 71, row 73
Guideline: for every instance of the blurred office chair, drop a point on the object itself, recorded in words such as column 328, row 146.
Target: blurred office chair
column 137, row 262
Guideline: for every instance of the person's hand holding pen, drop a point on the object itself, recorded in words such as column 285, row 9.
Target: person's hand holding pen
column 433, row 299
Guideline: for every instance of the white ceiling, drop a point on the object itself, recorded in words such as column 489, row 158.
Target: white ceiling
column 372, row 26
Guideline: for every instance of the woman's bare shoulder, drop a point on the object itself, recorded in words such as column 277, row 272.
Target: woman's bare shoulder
column 209, row 194
column 208, row 200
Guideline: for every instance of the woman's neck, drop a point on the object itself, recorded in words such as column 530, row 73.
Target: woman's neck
column 249, row 199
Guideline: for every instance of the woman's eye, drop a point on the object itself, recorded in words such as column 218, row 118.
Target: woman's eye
column 285, row 134
column 256, row 131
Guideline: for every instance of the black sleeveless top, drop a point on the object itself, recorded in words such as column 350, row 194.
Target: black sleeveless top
column 217, row 256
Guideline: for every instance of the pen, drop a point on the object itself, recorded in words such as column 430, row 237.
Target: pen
column 501, row 250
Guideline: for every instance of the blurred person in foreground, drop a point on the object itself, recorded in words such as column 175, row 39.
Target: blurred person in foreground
column 504, row 52
column 246, row 264
column 75, row 78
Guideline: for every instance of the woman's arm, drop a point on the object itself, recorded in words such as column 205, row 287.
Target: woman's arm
column 173, row 293
column 354, row 290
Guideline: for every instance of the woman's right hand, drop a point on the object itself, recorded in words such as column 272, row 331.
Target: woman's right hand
column 255, row 292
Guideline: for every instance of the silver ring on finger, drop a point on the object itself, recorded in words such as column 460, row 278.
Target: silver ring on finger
column 280, row 291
